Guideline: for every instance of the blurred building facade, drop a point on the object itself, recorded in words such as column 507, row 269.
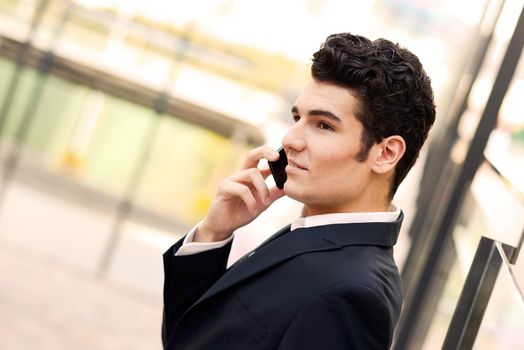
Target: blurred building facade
column 118, row 118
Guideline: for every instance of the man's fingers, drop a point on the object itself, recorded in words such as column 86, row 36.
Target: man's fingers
column 235, row 189
column 249, row 186
column 253, row 178
column 256, row 154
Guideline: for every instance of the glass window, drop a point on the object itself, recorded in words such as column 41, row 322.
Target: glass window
column 16, row 16
column 503, row 322
column 518, row 269
column 88, row 30
column 183, row 169
column 506, row 145
column 489, row 210
column 58, row 111
column 27, row 82
column 503, row 212
column 6, row 73
column 115, row 143
column 505, row 150
column 466, row 235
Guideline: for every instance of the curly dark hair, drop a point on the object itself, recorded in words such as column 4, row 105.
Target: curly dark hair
column 393, row 89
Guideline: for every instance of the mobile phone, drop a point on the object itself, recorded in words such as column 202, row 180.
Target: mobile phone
column 278, row 168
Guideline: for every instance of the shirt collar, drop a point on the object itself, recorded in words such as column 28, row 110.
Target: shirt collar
column 346, row 218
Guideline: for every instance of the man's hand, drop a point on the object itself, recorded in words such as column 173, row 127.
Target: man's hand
column 240, row 198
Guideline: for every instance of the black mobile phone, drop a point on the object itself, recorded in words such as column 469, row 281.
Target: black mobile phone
column 278, row 168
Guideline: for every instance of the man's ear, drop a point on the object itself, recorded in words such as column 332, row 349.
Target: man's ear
column 388, row 154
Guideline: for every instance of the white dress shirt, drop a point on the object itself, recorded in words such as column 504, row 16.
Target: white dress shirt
column 189, row 247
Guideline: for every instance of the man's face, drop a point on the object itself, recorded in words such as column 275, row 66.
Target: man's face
column 321, row 148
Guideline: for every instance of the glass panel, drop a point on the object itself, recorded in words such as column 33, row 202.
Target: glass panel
column 466, row 235
column 446, row 306
column 483, row 85
column 503, row 211
column 154, row 54
column 482, row 214
column 506, row 145
column 518, row 270
column 87, row 30
column 110, row 40
column 27, row 82
column 505, row 221
column 505, row 151
column 8, row 6
column 15, row 17
column 52, row 127
column 503, row 321
column 51, row 24
column 112, row 148
column 6, row 73
column 184, row 167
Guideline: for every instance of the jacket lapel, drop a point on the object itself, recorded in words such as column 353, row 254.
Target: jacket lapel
column 284, row 245
column 281, row 246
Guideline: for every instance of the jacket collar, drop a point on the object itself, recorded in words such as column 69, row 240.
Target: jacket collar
column 286, row 244
column 371, row 233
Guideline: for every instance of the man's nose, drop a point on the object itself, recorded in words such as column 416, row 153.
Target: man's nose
column 294, row 139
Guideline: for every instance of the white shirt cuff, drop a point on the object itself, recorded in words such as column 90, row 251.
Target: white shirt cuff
column 189, row 247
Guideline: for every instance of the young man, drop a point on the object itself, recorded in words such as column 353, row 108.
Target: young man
column 327, row 281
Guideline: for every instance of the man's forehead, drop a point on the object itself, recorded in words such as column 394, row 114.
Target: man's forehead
column 326, row 96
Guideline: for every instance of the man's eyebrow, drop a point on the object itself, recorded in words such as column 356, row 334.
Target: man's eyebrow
column 319, row 112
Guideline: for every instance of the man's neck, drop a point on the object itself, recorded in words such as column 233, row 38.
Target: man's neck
column 310, row 210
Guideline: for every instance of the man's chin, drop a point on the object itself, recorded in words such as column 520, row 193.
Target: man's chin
column 291, row 190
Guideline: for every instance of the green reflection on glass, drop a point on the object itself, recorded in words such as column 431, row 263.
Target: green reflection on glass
column 26, row 81
column 54, row 121
column 185, row 164
column 115, row 144
column 6, row 68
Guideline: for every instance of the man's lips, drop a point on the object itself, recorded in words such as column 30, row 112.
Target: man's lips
column 293, row 164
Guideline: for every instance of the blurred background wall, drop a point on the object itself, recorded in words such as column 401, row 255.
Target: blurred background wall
column 118, row 118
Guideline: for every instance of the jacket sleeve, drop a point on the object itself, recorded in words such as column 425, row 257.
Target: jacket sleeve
column 187, row 278
column 341, row 318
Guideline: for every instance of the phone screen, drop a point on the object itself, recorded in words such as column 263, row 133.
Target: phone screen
column 278, row 168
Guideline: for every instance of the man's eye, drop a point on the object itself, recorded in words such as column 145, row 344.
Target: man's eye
column 325, row 126
column 296, row 118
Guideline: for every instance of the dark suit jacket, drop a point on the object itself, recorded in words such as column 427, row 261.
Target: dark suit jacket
column 326, row 287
